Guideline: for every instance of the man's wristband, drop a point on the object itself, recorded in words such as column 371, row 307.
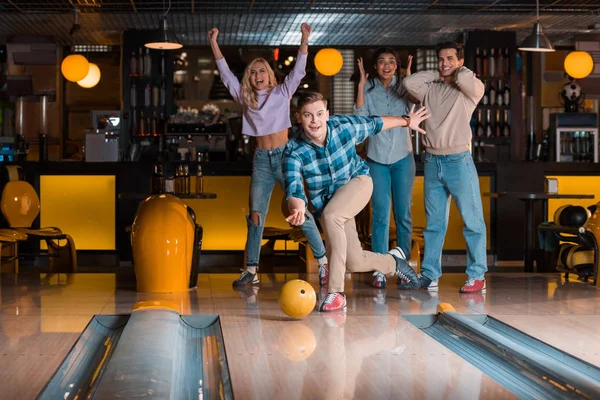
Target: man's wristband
column 407, row 119
column 304, row 42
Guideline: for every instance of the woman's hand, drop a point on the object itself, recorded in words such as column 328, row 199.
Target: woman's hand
column 363, row 76
column 408, row 65
column 417, row 117
column 306, row 31
column 213, row 34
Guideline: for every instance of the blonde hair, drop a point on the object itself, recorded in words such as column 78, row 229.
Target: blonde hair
column 248, row 92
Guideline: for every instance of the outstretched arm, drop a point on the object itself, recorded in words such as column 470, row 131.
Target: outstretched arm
column 229, row 79
column 292, row 81
column 364, row 127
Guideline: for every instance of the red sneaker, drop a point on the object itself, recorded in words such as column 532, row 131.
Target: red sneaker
column 324, row 274
column 334, row 302
column 379, row 281
column 473, row 286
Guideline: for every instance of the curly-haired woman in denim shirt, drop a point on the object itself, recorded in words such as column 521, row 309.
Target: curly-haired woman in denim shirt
column 389, row 154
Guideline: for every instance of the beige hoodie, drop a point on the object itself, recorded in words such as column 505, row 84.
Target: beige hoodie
column 450, row 106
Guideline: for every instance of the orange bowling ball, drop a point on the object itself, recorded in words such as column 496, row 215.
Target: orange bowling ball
column 297, row 298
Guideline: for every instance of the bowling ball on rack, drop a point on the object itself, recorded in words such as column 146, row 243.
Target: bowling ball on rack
column 574, row 216
column 297, row 298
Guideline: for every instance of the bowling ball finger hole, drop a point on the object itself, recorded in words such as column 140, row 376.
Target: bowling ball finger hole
column 302, row 291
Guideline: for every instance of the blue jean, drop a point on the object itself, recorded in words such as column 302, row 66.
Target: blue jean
column 453, row 175
column 392, row 183
column 266, row 171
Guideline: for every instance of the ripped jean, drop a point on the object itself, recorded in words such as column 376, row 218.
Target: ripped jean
column 266, row 171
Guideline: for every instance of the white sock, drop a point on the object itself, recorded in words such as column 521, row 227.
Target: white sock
column 252, row 270
column 322, row 261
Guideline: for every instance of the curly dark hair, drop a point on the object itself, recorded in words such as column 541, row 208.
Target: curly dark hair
column 398, row 88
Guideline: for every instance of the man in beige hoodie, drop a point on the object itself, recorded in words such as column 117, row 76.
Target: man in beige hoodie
column 451, row 95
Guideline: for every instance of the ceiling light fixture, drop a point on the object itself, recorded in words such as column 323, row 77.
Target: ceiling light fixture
column 537, row 41
column 166, row 39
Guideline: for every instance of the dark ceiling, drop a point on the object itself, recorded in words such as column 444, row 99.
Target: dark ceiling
column 277, row 22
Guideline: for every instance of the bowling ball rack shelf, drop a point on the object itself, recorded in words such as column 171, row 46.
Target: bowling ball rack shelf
column 151, row 353
column 526, row 366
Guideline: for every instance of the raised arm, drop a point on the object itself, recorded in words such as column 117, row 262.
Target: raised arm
column 294, row 189
column 361, row 107
column 417, row 84
column 229, row 79
column 292, row 81
column 469, row 84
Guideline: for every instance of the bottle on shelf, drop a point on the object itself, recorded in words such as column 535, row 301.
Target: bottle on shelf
column 506, row 128
column 485, row 100
column 133, row 96
column 478, row 63
column 499, row 95
column 186, row 179
column 133, row 65
column 500, row 64
column 488, row 126
column 199, row 180
column 147, row 95
column 498, row 127
column 142, row 125
column 155, row 95
column 486, row 63
column 147, row 63
column 153, row 125
column 140, row 63
column 492, row 63
column 492, row 94
column 506, row 93
column 158, row 179
column 480, row 127
column 506, row 62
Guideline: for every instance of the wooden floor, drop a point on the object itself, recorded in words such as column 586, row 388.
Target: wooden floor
column 370, row 352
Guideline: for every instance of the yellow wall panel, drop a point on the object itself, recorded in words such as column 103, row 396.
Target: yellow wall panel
column 82, row 206
column 224, row 219
column 574, row 185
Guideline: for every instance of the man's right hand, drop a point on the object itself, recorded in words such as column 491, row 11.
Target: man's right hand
column 297, row 209
column 417, row 117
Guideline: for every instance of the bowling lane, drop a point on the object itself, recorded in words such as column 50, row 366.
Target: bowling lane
column 332, row 356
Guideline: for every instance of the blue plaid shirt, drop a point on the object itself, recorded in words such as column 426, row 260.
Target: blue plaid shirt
column 327, row 168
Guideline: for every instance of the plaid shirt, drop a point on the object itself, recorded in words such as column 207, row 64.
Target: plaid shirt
column 327, row 168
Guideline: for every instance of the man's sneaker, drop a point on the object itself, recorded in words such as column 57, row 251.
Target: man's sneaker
column 473, row 286
column 425, row 283
column 403, row 269
column 334, row 302
column 379, row 280
column 324, row 274
column 247, row 278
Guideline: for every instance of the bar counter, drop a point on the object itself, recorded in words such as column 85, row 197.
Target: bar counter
column 83, row 200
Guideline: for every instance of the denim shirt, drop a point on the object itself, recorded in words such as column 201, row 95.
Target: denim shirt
column 391, row 145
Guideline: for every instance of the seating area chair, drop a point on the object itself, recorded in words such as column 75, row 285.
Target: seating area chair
column 20, row 206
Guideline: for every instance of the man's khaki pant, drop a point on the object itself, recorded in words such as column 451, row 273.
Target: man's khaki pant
column 341, row 238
